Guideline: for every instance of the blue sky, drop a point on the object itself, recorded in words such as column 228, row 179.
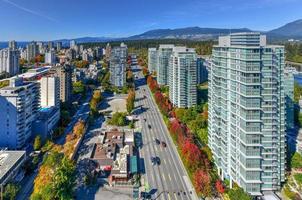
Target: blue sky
column 57, row 19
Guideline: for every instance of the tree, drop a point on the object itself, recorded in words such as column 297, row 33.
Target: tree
column 202, row 183
column 130, row 100
column 10, row 191
column 78, row 87
column 296, row 161
column 219, row 186
column 64, row 180
column 191, row 154
column 118, row 119
column 238, row 193
column 37, row 143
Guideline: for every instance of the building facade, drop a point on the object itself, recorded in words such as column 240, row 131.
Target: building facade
column 289, row 82
column 9, row 61
column 202, row 71
column 247, row 112
column 65, row 76
column 50, row 57
column 19, row 105
column 12, row 45
column 182, row 77
column 31, row 51
column 164, row 54
column 50, row 91
column 152, row 59
column 117, row 65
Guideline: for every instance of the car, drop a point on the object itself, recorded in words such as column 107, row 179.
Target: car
column 149, row 126
column 163, row 144
column 157, row 160
column 153, row 161
column 145, row 96
column 145, row 119
column 157, row 141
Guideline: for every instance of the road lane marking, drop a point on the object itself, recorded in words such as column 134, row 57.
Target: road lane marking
column 165, row 161
column 175, row 196
column 169, row 197
column 169, row 177
column 164, row 177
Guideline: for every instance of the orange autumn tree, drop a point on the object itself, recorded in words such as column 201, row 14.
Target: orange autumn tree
column 202, row 183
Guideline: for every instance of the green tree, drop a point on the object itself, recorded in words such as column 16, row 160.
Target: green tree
column 238, row 193
column 78, row 87
column 10, row 191
column 118, row 119
column 37, row 143
column 296, row 161
column 64, row 180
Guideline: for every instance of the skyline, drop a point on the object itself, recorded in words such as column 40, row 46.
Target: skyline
column 54, row 20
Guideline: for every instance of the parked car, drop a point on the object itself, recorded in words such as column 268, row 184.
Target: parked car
column 157, row 141
column 163, row 144
column 149, row 126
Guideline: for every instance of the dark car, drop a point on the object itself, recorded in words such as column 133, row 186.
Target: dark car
column 163, row 144
column 157, row 141
column 157, row 160
column 153, row 160
column 149, row 126
column 145, row 119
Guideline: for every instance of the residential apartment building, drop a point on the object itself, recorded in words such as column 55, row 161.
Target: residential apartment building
column 50, row 57
column 108, row 51
column 9, row 61
column 202, row 71
column 12, row 45
column 289, row 83
column 65, row 75
column 117, row 66
column 50, row 91
column 183, row 77
column 152, row 59
column 247, row 112
column 59, row 46
column 19, row 105
column 31, row 51
column 164, row 54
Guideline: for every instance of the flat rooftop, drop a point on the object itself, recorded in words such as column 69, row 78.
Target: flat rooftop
column 8, row 160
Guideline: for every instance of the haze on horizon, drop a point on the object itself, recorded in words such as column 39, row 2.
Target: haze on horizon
column 58, row 19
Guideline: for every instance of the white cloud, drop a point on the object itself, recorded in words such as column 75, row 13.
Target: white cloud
column 29, row 10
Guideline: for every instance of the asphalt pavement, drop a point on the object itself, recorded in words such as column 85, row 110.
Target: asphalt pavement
column 169, row 180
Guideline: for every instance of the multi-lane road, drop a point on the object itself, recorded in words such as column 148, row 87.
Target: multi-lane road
column 169, row 180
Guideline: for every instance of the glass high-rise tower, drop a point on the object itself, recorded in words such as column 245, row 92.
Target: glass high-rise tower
column 247, row 112
column 163, row 55
column 183, row 77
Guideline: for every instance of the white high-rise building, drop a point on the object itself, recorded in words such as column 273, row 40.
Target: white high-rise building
column 19, row 105
column 72, row 44
column 50, row 91
column 247, row 121
column 164, row 53
column 31, row 51
column 9, row 61
column 183, row 77
column 152, row 59
column 12, row 45
column 50, row 57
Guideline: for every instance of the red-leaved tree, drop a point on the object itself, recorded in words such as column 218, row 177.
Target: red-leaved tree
column 219, row 186
column 202, row 183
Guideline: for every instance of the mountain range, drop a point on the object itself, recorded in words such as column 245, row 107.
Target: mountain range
column 292, row 30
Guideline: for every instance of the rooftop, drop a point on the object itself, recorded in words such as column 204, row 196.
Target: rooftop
column 8, row 159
